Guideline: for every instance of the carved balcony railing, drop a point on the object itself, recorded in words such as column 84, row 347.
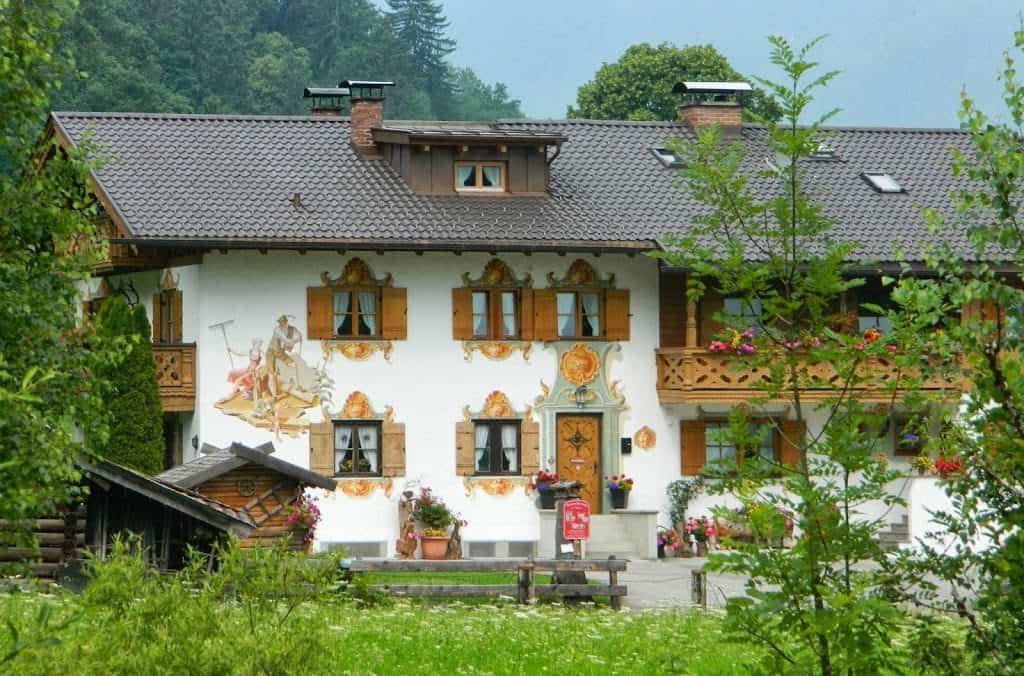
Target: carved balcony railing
column 692, row 375
column 176, row 375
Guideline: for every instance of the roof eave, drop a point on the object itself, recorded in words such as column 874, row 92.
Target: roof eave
column 456, row 246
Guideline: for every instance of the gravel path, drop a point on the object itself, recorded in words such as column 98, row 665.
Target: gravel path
column 665, row 583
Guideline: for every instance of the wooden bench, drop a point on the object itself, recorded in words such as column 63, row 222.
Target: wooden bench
column 524, row 591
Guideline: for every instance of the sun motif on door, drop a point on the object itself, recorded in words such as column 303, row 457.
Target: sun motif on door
column 579, row 448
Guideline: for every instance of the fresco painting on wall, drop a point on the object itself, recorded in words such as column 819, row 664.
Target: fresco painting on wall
column 276, row 387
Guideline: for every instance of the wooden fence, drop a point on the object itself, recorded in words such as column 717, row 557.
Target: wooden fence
column 524, row 591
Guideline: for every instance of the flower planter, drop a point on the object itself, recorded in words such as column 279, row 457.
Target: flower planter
column 547, row 499
column 661, row 551
column 620, row 498
column 434, row 548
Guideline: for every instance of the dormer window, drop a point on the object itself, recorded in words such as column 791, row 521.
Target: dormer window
column 480, row 176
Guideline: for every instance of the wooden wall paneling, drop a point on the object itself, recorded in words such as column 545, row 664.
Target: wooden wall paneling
column 442, row 170
column 537, row 174
column 518, row 174
column 672, row 308
column 419, row 170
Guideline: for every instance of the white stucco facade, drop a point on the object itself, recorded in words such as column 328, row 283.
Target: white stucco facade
column 427, row 380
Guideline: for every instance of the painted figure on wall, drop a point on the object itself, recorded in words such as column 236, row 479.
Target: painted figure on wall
column 276, row 387
column 246, row 380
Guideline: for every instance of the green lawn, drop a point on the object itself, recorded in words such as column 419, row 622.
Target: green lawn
column 177, row 633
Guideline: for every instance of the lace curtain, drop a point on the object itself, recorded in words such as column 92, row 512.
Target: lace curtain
column 510, row 447
column 482, row 438
column 368, row 310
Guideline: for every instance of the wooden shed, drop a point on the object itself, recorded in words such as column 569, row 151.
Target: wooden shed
column 167, row 519
column 252, row 481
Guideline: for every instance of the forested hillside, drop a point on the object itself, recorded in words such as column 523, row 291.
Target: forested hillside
column 255, row 56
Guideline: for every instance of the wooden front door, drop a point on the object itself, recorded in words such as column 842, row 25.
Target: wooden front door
column 579, row 454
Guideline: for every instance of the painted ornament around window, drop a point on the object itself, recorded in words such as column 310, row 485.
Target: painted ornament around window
column 275, row 387
column 580, row 365
column 357, row 351
column 496, row 486
column 362, row 488
column 645, row 438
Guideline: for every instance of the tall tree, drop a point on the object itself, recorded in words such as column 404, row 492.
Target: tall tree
column 981, row 559
column 817, row 607
column 132, row 398
column 49, row 400
column 421, row 29
column 474, row 99
column 639, row 85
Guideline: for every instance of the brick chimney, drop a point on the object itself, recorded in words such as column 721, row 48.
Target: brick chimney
column 367, row 112
column 712, row 103
column 726, row 114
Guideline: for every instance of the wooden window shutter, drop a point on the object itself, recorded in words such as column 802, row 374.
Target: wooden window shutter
column 319, row 313
column 526, row 314
column 158, row 314
column 545, row 315
column 529, row 440
column 176, row 316
column 393, row 449
column 465, row 448
column 462, row 314
column 616, row 314
column 321, row 448
column 792, row 434
column 394, row 314
column 694, row 449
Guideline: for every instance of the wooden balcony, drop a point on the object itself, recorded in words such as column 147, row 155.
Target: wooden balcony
column 694, row 375
column 176, row 375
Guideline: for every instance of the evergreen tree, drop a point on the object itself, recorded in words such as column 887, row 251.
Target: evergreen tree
column 420, row 26
column 133, row 402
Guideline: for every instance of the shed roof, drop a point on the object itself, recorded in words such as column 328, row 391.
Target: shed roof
column 214, row 462
column 205, row 509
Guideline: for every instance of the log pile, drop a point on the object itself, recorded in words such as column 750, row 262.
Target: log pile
column 61, row 540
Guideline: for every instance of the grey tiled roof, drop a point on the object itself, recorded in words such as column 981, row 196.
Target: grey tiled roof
column 230, row 178
column 214, row 462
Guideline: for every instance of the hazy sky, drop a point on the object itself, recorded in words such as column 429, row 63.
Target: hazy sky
column 904, row 63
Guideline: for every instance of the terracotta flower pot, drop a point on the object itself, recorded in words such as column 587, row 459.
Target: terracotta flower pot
column 434, row 548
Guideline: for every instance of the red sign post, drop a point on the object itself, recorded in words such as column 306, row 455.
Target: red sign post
column 575, row 519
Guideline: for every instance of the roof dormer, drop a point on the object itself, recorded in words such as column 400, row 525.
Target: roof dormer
column 467, row 158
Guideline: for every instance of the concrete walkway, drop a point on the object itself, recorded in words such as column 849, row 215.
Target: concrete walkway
column 665, row 583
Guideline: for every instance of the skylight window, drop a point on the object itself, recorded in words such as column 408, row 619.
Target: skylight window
column 667, row 157
column 882, row 183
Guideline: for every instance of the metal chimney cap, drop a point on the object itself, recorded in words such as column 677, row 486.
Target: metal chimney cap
column 711, row 88
column 325, row 92
column 365, row 84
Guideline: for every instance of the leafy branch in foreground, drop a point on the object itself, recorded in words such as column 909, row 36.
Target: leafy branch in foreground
column 977, row 548
column 819, row 606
